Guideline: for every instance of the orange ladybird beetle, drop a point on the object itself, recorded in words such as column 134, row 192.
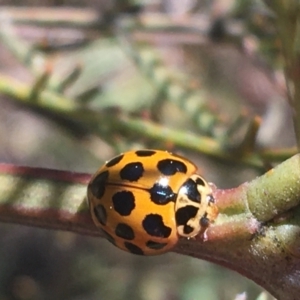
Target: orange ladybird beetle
column 145, row 200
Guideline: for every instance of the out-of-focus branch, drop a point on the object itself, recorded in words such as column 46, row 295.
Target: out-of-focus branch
column 58, row 17
column 62, row 105
column 288, row 20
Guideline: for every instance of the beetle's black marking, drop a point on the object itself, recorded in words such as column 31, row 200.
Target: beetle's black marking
column 145, row 153
column 161, row 195
column 204, row 221
column 154, row 226
column 169, row 167
column 123, row 202
column 200, row 181
column 108, row 237
column 192, row 191
column 114, row 161
column 97, row 186
column 156, row 245
column 133, row 248
column 184, row 214
column 132, row 171
column 124, row 231
column 187, row 229
column 100, row 213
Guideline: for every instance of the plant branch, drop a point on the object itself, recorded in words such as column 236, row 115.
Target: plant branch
column 55, row 102
column 45, row 198
column 256, row 233
column 54, row 17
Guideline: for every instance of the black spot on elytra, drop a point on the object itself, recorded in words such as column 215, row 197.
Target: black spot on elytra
column 114, row 161
column 108, row 237
column 132, row 171
column 124, row 231
column 184, row 214
column 155, row 245
column 200, row 181
column 100, row 214
column 161, row 195
column 144, row 153
column 154, row 226
column 187, row 229
column 97, row 186
column 133, row 248
column 169, row 167
column 123, row 202
column 192, row 191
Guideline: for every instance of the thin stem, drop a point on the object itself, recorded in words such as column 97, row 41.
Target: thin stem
column 45, row 198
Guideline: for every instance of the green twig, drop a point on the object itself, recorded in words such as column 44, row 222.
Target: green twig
column 193, row 102
column 36, row 61
column 96, row 121
column 47, row 99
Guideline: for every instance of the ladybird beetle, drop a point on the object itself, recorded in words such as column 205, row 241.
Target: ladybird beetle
column 145, row 200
